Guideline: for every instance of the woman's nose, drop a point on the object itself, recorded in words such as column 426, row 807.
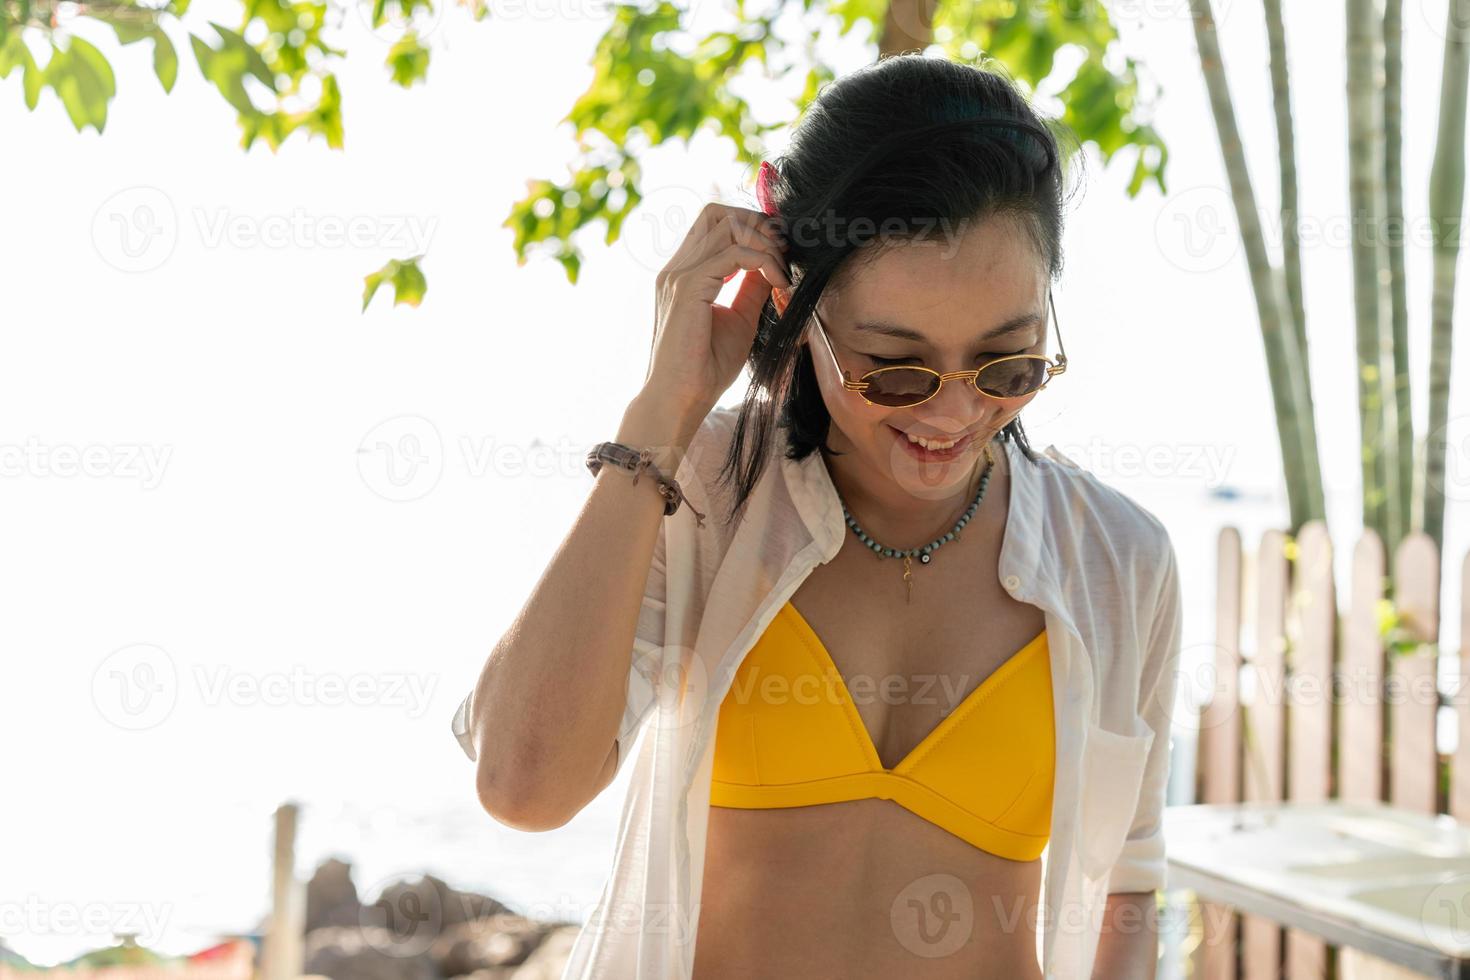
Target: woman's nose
column 957, row 407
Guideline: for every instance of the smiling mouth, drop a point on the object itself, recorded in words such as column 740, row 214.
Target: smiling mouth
column 960, row 444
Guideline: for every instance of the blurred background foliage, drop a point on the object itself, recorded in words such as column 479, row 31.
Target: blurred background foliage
column 654, row 80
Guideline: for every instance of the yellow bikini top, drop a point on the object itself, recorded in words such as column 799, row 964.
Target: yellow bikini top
column 985, row 773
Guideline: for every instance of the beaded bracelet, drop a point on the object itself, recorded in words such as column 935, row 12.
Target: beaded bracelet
column 635, row 461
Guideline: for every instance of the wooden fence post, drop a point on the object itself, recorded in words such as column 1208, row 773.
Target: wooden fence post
column 1218, row 775
column 1265, row 718
column 282, row 952
column 1313, row 630
column 1412, row 703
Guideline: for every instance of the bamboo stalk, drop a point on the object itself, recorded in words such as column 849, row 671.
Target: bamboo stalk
column 1291, row 260
column 1446, row 209
column 1400, row 468
column 1363, row 191
column 1283, row 357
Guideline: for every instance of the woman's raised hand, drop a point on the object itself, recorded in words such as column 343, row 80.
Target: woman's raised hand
column 699, row 346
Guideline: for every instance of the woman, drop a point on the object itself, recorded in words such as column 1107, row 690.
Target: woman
column 912, row 693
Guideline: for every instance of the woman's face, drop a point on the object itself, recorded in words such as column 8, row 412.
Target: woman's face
column 951, row 296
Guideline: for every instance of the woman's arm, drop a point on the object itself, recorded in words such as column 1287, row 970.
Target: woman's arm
column 548, row 703
column 1128, row 948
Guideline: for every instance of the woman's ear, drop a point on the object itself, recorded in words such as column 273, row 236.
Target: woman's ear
column 780, row 297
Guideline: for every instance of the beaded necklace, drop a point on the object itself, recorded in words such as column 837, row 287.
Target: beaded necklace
column 926, row 553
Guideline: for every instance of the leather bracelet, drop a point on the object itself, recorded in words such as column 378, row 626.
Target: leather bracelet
column 635, row 461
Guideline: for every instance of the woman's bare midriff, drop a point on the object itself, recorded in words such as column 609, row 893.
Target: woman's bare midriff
column 864, row 888
column 856, row 890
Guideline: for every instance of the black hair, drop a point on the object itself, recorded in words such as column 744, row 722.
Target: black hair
column 908, row 142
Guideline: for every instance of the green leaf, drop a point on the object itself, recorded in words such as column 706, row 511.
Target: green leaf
column 84, row 81
column 326, row 118
column 571, row 262
column 97, row 61
column 404, row 276
column 408, row 59
column 227, row 71
column 32, row 80
column 129, row 30
column 405, row 10
column 57, row 75
column 252, row 60
column 165, row 61
column 14, row 54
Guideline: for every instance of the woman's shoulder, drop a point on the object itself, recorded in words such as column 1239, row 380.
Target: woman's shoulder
column 1122, row 551
column 1074, row 496
column 711, row 441
column 704, row 458
column 719, row 424
column 707, row 460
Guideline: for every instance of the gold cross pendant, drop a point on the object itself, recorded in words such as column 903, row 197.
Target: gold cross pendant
column 908, row 577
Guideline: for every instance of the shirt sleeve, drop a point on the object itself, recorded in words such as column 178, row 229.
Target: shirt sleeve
column 1141, row 866
column 460, row 725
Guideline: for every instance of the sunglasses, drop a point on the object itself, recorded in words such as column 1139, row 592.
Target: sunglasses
column 904, row 386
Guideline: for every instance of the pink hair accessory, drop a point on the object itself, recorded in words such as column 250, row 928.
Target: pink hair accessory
column 763, row 180
column 764, row 176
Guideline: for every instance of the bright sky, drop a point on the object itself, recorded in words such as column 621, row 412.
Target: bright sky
column 302, row 528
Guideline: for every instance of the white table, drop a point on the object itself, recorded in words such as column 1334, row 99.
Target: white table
column 1392, row 883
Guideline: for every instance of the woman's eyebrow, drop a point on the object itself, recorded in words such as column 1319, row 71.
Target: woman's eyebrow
column 888, row 328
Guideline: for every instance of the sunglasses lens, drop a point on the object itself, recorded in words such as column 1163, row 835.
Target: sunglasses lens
column 897, row 387
column 1012, row 378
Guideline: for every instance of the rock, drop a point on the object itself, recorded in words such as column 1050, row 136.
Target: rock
column 548, row 962
column 427, row 904
column 416, row 928
column 365, row 954
column 550, row 958
column 503, row 940
column 331, row 897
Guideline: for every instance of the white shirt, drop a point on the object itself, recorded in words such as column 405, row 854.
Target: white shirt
column 1101, row 567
